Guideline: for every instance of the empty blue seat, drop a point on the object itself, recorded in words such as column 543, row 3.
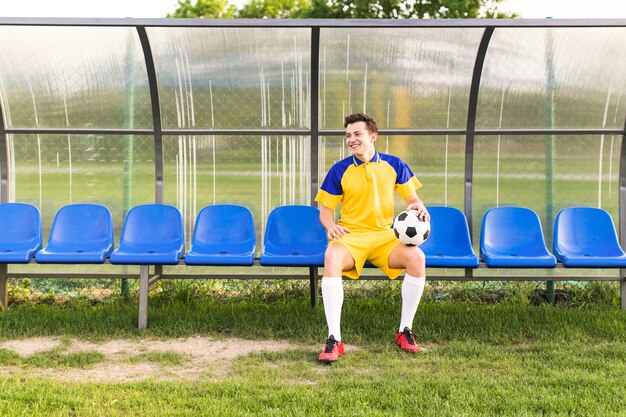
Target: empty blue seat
column 80, row 234
column 152, row 235
column 449, row 244
column 294, row 236
column 585, row 237
column 511, row 237
column 223, row 235
column 20, row 232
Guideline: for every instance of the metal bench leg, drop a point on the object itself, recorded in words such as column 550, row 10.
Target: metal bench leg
column 314, row 287
column 142, row 323
column 4, row 296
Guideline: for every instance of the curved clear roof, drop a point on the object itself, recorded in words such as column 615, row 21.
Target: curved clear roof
column 417, row 75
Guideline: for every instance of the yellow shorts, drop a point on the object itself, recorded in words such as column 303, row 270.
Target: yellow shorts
column 370, row 246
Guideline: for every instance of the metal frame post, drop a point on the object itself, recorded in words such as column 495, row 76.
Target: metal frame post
column 315, row 57
column 158, row 163
column 313, row 280
column 156, row 113
column 4, row 198
column 4, row 294
column 470, row 134
column 144, row 285
column 622, row 214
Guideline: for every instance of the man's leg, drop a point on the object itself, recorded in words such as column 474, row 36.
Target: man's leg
column 336, row 260
column 414, row 261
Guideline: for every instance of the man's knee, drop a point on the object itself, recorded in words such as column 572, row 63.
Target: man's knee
column 411, row 258
column 335, row 255
column 416, row 262
column 336, row 260
column 416, row 257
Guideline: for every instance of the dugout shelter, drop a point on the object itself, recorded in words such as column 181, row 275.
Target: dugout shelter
column 199, row 112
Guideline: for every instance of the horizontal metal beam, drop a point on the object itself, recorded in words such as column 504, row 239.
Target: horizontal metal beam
column 304, row 132
column 69, row 275
column 271, row 277
column 489, row 132
column 537, row 278
column 311, row 23
column 70, row 131
column 542, row 132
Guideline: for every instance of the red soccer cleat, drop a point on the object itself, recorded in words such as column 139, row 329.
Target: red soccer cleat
column 332, row 351
column 406, row 341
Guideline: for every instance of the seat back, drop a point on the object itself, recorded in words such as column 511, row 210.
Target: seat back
column 224, row 224
column 82, row 227
column 294, row 230
column 512, row 231
column 152, row 228
column 20, row 227
column 449, row 233
column 585, row 231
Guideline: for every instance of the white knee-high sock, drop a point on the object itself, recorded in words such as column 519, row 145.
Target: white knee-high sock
column 412, row 289
column 332, row 295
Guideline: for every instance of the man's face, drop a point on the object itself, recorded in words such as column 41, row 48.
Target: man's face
column 358, row 139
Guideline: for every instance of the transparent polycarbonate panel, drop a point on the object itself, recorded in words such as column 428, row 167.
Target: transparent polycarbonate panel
column 405, row 78
column 77, row 77
column 554, row 77
column 51, row 171
column 260, row 173
column 437, row 162
column 546, row 174
column 233, row 77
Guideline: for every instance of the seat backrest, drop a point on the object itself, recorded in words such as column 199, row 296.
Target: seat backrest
column 224, row 224
column 294, row 227
column 154, row 227
column 82, row 226
column 585, row 231
column 449, row 232
column 512, row 231
column 20, row 226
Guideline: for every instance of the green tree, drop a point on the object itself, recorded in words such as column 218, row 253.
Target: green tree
column 393, row 9
column 344, row 9
column 274, row 9
column 214, row 9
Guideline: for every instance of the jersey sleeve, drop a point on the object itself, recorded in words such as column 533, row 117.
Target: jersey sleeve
column 331, row 192
column 406, row 183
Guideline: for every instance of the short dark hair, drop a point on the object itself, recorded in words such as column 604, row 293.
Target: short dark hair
column 362, row 117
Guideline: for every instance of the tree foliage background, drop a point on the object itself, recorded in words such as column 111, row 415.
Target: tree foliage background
column 342, row 9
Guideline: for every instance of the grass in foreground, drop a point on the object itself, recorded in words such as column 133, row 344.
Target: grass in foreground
column 500, row 359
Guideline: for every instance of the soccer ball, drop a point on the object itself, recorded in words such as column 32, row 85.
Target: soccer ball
column 411, row 230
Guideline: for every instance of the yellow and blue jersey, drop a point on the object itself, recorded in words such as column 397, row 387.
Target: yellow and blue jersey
column 366, row 190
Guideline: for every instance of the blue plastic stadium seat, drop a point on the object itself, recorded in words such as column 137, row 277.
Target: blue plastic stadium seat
column 294, row 236
column 152, row 235
column 449, row 244
column 80, row 234
column 511, row 237
column 585, row 237
column 20, row 232
column 223, row 235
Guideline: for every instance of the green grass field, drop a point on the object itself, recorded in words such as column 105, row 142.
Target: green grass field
column 508, row 358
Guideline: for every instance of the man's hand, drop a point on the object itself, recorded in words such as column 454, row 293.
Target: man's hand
column 336, row 232
column 422, row 213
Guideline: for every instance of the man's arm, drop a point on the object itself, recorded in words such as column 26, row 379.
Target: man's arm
column 333, row 230
column 414, row 203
